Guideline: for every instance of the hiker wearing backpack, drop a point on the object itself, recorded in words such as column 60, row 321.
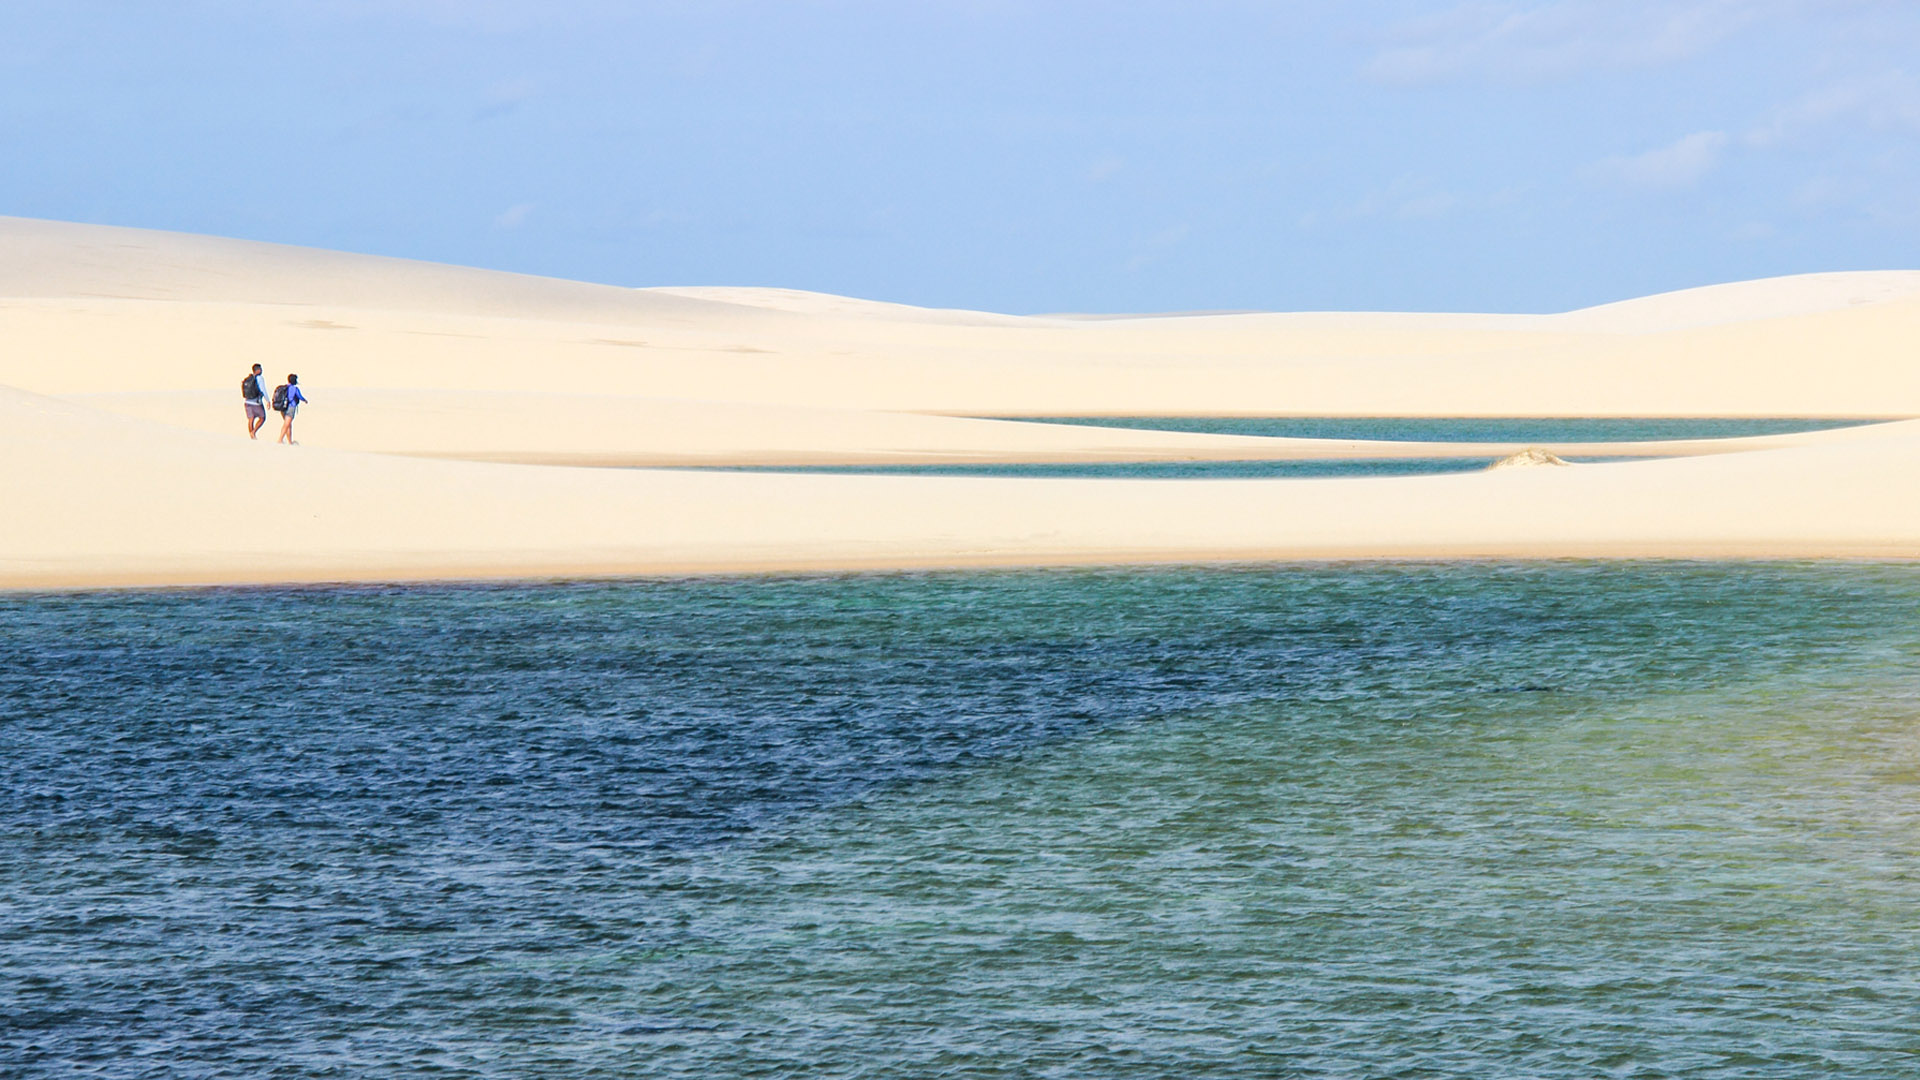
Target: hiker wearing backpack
column 287, row 400
column 253, row 391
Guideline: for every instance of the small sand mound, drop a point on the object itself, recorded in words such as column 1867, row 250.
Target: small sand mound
column 1531, row 456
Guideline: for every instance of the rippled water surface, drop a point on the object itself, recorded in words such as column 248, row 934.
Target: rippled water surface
column 1555, row 820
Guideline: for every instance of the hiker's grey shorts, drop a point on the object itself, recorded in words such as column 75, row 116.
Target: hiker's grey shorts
column 256, row 411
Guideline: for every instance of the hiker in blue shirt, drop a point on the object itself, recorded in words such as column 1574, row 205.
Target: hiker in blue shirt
column 287, row 401
column 253, row 391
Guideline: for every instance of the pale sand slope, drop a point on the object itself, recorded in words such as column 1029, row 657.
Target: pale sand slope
column 425, row 360
column 90, row 309
column 95, row 499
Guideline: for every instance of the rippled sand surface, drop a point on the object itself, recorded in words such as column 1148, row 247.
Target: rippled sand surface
column 1551, row 820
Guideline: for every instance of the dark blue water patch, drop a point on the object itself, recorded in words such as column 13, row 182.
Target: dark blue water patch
column 1380, row 820
column 1167, row 470
column 1462, row 429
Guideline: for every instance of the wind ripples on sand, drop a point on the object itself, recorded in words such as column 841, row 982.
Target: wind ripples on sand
column 1510, row 821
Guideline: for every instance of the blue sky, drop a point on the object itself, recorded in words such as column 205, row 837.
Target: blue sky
column 1018, row 156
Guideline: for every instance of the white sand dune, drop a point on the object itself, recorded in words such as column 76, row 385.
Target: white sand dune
column 90, row 309
column 125, row 462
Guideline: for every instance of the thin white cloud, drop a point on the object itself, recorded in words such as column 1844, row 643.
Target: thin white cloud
column 1154, row 247
column 513, row 216
column 1679, row 164
column 1408, row 198
column 503, row 98
column 1889, row 100
column 1828, row 192
column 1515, row 40
column 490, row 16
column 1427, row 207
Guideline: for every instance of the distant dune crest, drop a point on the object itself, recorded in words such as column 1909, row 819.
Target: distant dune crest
column 62, row 259
column 1766, row 298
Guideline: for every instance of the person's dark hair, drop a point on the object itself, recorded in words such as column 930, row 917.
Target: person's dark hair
column 256, row 367
column 293, row 380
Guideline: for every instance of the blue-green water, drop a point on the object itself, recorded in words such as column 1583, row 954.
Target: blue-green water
column 1156, row 470
column 1391, row 429
column 1457, row 429
column 1548, row 820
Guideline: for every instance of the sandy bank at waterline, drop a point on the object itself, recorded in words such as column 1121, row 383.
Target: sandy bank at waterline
column 129, row 502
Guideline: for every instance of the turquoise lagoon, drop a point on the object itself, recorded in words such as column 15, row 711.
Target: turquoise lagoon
column 1390, row 429
column 1488, row 429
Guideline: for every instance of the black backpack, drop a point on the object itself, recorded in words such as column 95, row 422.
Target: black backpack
column 280, row 398
column 247, row 388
